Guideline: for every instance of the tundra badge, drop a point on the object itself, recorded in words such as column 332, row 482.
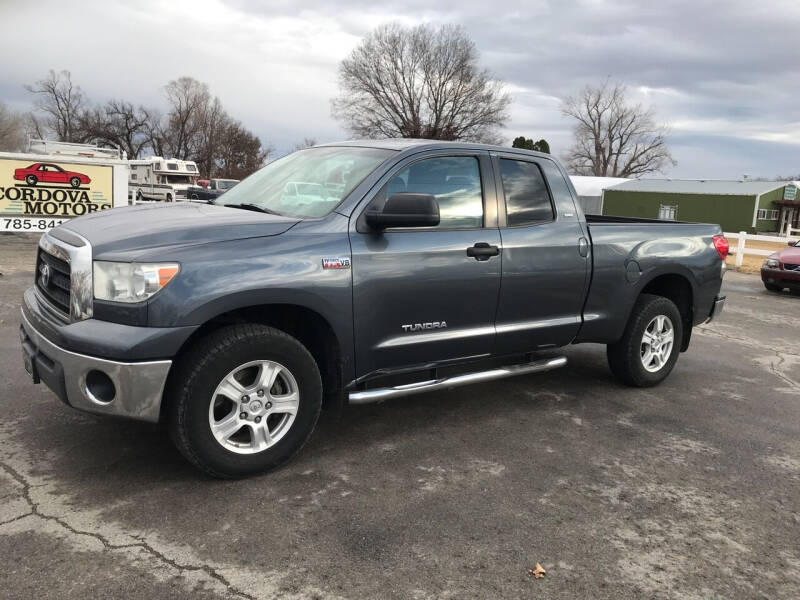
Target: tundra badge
column 420, row 326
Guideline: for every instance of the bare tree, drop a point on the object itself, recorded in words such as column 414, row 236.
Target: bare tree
column 189, row 102
column 419, row 82
column 58, row 107
column 614, row 138
column 12, row 130
column 153, row 126
column 215, row 121
column 118, row 123
column 194, row 127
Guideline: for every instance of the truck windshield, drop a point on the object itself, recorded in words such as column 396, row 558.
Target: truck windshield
column 308, row 183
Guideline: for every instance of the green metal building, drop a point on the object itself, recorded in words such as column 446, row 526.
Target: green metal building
column 752, row 206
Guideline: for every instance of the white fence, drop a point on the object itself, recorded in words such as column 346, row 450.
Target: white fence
column 740, row 248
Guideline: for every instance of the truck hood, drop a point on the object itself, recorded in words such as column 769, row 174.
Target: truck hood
column 131, row 230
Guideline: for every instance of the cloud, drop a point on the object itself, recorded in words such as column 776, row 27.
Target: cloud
column 722, row 73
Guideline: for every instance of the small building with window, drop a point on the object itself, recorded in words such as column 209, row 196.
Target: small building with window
column 752, row 206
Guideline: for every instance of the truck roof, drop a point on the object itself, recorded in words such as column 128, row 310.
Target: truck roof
column 402, row 144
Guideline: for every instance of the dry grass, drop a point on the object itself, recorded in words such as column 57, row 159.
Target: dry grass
column 752, row 262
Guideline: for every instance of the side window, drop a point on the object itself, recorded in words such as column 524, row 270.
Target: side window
column 527, row 198
column 455, row 182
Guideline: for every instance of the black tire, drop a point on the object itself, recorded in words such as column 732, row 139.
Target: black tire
column 169, row 197
column 75, row 182
column 196, row 377
column 139, row 196
column 773, row 288
column 193, row 197
column 625, row 356
column 31, row 180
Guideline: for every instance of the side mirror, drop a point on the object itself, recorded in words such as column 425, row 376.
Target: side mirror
column 405, row 210
column 791, row 243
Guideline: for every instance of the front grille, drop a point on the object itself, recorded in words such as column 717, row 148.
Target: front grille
column 57, row 288
column 791, row 267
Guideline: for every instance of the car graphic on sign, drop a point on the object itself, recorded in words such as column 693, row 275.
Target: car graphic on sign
column 49, row 173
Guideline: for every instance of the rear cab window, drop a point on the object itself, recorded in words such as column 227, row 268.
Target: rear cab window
column 527, row 198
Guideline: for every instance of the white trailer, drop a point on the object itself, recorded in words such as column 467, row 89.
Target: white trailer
column 160, row 179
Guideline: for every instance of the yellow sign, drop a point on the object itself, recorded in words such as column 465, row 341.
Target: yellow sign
column 54, row 188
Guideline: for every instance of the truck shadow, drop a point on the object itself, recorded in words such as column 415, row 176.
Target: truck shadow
column 123, row 453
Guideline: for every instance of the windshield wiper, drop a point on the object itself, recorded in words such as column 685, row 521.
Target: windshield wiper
column 253, row 207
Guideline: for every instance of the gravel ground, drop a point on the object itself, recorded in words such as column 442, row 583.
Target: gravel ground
column 688, row 490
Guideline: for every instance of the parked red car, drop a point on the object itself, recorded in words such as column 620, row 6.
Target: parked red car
column 49, row 173
column 782, row 269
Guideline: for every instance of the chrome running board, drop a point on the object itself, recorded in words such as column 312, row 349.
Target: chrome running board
column 380, row 394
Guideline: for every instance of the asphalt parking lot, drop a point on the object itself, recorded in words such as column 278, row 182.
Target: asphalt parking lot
column 688, row 490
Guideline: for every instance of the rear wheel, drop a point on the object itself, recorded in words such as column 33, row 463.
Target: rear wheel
column 31, row 179
column 773, row 288
column 650, row 345
column 169, row 197
column 244, row 400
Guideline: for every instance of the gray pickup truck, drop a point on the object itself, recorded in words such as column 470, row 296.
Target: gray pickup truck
column 352, row 272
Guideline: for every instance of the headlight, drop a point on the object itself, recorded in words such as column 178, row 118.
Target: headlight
column 772, row 263
column 131, row 282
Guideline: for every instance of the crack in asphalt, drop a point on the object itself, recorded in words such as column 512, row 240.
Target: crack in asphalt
column 36, row 512
column 775, row 370
column 779, row 354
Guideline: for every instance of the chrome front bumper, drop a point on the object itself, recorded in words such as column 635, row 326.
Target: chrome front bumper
column 82, row 381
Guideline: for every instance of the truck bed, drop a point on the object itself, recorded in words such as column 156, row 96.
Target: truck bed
column 628, row 253
column 610, row 220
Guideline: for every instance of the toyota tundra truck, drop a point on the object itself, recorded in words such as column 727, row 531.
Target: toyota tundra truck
column 404, row 266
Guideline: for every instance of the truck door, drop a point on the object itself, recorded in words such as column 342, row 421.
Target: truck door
column 423, row 295
column 545, row 255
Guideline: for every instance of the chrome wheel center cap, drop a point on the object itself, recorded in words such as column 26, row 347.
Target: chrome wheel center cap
column 255, row 406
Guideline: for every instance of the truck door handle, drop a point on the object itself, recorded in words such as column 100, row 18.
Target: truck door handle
column 583, row 247
column 483, row 251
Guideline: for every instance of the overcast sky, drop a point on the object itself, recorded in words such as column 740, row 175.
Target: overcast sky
column 724, row 74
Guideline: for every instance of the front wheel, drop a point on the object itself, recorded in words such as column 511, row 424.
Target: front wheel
column 244, row 400
column 31, row 180
column 771, row 287
column 75, row 182
column 649, row 347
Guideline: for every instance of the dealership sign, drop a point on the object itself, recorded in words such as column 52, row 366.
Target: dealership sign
column 790, row 192
column 54, row 189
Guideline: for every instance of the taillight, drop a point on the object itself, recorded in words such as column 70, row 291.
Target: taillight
column 722, row 246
